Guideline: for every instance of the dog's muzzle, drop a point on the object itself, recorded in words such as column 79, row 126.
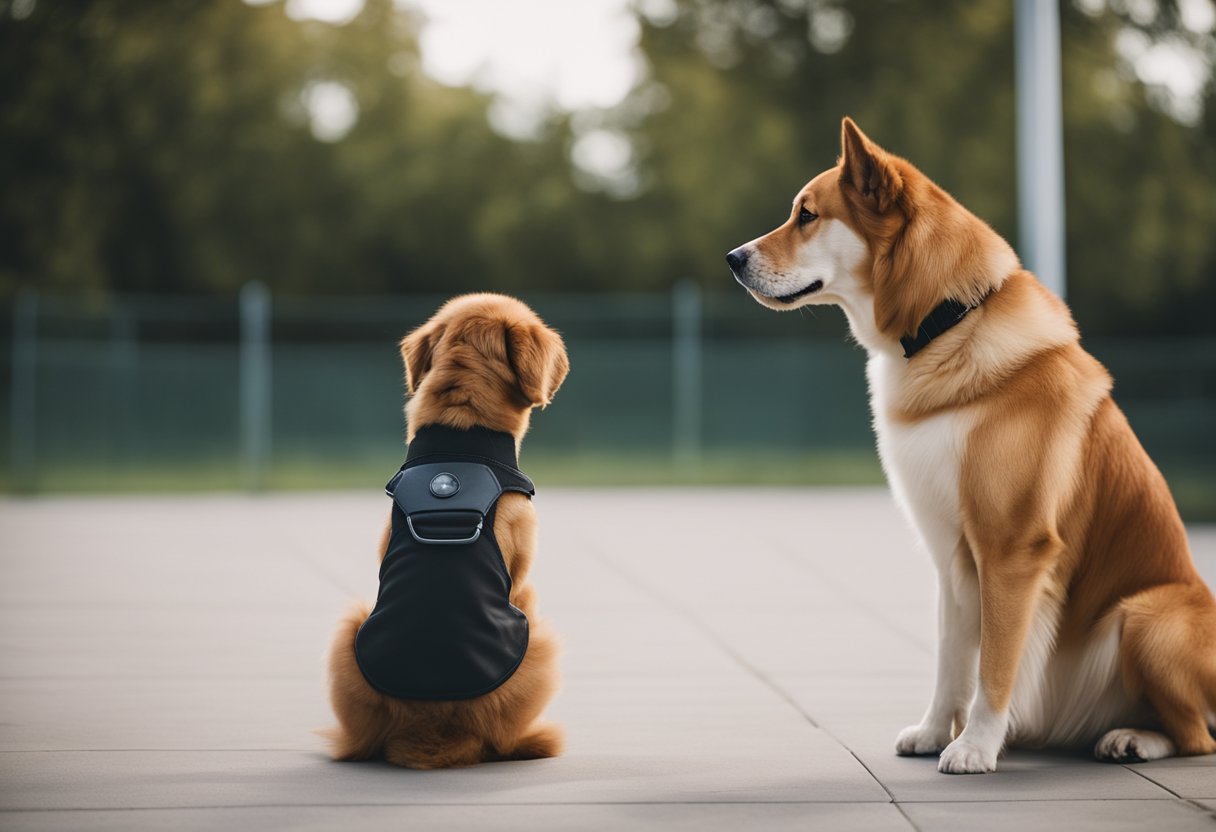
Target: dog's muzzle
column 737, row 260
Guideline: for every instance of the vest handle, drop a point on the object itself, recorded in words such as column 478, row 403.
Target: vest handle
column 442, row 541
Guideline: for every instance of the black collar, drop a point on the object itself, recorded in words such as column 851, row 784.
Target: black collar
column 483, row 443
column 947, row 314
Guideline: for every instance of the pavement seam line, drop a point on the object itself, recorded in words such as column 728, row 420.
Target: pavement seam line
column 714, row 638
column 763, row 678
column 903, row 812
column 853, row 598
column 1194, row 802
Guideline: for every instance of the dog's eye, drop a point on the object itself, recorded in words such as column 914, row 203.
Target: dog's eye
column 805, row 216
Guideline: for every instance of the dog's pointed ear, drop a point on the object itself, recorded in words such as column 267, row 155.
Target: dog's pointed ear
column 417, row 352
column 538, row 357
column 867, row 170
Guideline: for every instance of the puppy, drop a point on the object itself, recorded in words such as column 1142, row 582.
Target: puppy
column 453, row 667
column 1067, row 588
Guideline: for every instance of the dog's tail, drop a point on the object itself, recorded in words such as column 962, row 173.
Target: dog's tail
column 359, row 707
column 542, row 739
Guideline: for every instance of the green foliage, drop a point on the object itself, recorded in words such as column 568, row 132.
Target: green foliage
column 755, row 108
column 163, row 147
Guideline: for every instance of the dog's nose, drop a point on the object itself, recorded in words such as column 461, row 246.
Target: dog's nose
column 737, row 259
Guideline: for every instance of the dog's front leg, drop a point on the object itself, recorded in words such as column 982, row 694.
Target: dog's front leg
column 1010, row 584
column 957, row 650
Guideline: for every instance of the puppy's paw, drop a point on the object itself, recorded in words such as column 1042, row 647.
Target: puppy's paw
column 921, row 740
column 1126, row 745
column 963, row 757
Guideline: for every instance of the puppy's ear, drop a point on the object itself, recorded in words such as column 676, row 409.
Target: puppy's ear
column 867, row 170
column 538, row 357
column 418, row 351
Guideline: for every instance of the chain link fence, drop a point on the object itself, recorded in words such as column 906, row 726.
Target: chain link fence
column 258, row 392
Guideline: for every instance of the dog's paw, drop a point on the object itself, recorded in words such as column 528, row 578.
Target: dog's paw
column 962, row 757
column 921, row 740
column 1126, row 745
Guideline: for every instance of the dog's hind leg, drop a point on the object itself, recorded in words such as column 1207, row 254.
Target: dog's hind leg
column 1168, row 653
column 360, row 708
column 1132, row 745
column 519, row 733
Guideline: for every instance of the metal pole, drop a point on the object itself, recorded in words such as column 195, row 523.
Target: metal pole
column 255, row 384
column 686, row 373
column 1040, row 140
column 24, row 404
column 122, row 382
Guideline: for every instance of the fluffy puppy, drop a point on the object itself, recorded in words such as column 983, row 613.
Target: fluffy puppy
column 484, row 362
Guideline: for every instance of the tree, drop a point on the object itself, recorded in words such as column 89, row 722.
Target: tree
column 162, row 147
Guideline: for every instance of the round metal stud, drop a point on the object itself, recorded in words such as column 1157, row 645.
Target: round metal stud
column 444, row 485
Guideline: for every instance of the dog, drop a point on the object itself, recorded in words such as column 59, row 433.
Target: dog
column 1067, row 587
column 459, row 679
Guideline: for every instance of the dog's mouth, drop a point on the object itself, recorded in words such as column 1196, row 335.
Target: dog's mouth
column 801, row 293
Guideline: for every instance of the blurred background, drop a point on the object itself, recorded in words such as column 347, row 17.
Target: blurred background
column 218, row 217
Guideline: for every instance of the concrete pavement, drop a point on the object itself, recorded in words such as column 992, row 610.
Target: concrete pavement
column 734, row 658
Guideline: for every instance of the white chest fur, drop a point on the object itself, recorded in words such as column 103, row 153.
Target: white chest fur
column 922, row 461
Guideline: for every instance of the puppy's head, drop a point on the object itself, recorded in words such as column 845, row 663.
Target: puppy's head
column 482, row 360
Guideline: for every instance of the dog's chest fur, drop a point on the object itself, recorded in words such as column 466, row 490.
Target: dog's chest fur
column 922, row 460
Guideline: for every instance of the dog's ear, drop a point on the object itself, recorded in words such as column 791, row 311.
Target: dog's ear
column 867, row 169
column 418, row 351
column 538, row 357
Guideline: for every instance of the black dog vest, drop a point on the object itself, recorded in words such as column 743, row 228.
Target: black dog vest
column 443, row 626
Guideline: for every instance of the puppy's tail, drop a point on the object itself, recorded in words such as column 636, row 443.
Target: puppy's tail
column 543, row 739
column 360, row 708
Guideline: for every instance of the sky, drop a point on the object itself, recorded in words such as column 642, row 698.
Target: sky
column 532, row 54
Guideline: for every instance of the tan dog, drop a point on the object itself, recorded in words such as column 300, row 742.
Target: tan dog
column 483, row 361
column 1066, row 582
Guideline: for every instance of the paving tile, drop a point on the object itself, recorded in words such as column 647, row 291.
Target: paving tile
column 99, row 714
column 661, row 773
column 874, row 703
column 646, row 640
column 820, row 642
column 1020, row 775
column 739, row 558
column 186, row 550
column 866, row 715
column 630, row 739
column 1190, row 777
column 166, row 641
column 797, row 817
column 738, row 716
column 1058, row 816
column 168, row 652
